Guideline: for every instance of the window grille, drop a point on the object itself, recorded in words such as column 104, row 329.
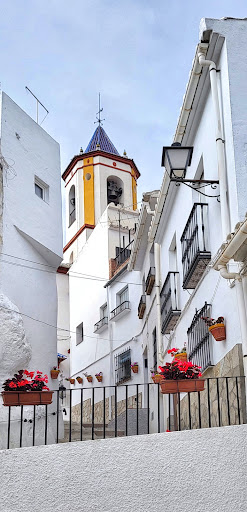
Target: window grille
column 199, row 342
column 123, row 366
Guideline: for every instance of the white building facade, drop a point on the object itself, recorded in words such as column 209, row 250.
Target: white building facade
column 31, row 250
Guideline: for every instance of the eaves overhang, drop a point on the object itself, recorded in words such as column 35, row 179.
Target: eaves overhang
column 117, row 158
column 191, row 110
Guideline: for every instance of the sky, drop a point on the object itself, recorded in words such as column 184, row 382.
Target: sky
column 136, row 53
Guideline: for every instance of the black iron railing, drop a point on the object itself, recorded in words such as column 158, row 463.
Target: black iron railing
column 102, row 322
column 122, row 307
column 150, row 280
column 195, row 250
column 112, row 411
column 123, row 253
column 199, row 342
column 170, row 311
column 142, row 306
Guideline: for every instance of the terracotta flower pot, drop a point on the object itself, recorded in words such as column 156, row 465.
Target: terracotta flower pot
column 157, row 379
column 181, row 385
column 218, row 331
column 79, row 379
column 72, row 381
column 182, row 356
column 135, row 368
column 27, row 397
column 90, row 378
column 54, row 374
column 99, row 378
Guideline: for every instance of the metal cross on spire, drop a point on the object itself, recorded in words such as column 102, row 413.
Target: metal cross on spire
column 100, row 121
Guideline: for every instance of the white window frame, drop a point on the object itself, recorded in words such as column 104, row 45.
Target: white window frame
column 44, row 187
column 120, row 294
column 79, row 334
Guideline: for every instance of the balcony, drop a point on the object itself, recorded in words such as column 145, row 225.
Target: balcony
column 170, row 312
column 194, row 240
column 199, row 342
column 120, row 310
column 142, row 306
column 150, row 280
column 101, row 325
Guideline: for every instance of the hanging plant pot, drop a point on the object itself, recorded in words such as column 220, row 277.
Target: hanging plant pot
column 89, row 378
column 134, row 368
column 181, row 385
column 157, row 379
column 54, row 374
column 72, row 381
column 79, row 379
column 182, row 356
column 99, row 378
column 27, row 398
column 218, row 331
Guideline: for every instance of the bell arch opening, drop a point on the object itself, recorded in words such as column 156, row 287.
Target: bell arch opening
column 72, row 210
column 115, row 190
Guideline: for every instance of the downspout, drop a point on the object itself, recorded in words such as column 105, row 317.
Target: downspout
column 225, row 217
column 242, row 313
column 158, row 310
column 112, row 381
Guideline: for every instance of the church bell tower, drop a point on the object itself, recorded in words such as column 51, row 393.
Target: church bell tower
column 93, row 179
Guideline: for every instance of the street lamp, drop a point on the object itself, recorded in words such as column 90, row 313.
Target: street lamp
column 176, row 159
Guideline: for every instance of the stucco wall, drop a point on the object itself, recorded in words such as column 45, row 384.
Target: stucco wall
column 190, row 471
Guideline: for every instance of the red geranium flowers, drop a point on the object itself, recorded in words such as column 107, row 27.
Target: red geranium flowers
column 180, row 370
column 27, row 383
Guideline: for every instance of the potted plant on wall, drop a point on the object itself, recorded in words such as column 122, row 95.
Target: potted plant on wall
column 156, row 376
column 178, row 353
column 26, row 388
column 216, row 327
column 55, row 372
column 79, row 380
column 88, row 377
column 134, row 367
column 181, row 376
column 99, row 376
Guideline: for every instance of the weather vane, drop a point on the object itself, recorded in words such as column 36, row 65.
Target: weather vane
column 100, row 121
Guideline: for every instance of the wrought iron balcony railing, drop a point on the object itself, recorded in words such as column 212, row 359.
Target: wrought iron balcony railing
column 150, row 280
column 199, row 342
column 99, row 326
column 170, row 311
column 142, row 306
column 119, row 310
column 195, row 250
column 221, row 403
column 122, row 254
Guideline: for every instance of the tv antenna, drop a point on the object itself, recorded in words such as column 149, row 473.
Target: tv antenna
column 37, row 109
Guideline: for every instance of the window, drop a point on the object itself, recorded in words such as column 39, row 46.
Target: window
column 123, row 366
column 79, row 334
column 199, row 342
column 114, row 190
column 103, row 311
column 123, row 296
column 41, row 189
column 154, row 350
column 72, row 210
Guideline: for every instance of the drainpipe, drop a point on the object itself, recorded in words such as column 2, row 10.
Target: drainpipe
column 158, row 310
column 112, row 380
column 242, row 313
column 162, row 398
column 225, row 217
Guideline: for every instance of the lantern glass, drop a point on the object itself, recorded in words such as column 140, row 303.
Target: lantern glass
column 176, row 160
